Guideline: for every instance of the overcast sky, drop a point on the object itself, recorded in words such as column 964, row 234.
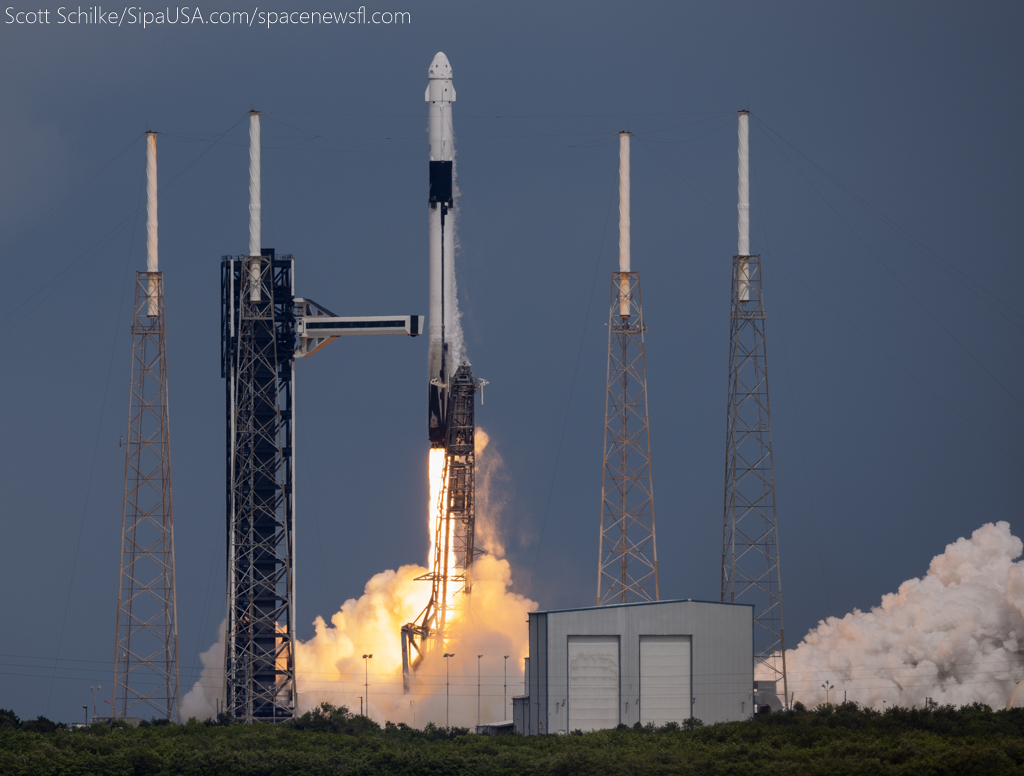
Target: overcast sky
column 886, row 199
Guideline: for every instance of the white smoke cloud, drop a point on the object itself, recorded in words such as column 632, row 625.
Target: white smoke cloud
column 493, row 486
column 330, row 667
column 206, row 697
column 956, row 636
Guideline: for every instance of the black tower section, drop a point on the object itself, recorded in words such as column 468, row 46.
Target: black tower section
column 257, row 353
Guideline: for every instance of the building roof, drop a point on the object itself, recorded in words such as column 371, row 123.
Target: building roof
column 642, row 603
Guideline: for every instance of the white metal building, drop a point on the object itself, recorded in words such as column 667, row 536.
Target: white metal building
column 595, row 668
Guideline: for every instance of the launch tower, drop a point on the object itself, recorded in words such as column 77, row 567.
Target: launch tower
column 264, row 328
column 627, row 568
column 146, row 656
column 750, row 545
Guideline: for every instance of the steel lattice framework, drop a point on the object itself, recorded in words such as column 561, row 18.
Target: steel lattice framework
column 454, row 537
column 258, row 364
column 627, row 560
column 146, row 660
column 750, row 546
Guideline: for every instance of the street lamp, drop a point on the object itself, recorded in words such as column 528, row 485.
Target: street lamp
column 505, row 694
column 447, row 683
column 478, row 689
column 826, row 687
column 94, row 689
column 366, row 682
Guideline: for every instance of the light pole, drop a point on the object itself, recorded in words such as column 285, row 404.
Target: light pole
column 505, row 693
column 366, row 681
column 447, row 682
column 412, row 705
column 478, row 689
column 826, row 687
column 94, row 689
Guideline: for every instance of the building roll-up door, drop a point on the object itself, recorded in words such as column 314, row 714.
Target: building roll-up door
column 593, row 702
column 664, row 679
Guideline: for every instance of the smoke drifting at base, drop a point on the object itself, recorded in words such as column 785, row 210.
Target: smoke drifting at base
column 331, row 669
column 956, row 636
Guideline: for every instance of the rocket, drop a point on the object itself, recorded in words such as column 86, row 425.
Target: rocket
column 439, row 96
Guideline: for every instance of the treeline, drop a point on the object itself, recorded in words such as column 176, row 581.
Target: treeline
column 832, row 739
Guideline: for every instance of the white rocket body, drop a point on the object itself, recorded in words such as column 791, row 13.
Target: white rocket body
column 440, row 95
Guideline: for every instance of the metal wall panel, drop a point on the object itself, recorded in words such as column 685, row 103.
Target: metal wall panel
column 664, row 679
column 722, row 656
column 593, row 671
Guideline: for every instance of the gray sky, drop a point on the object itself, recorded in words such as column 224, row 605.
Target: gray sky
column 886, row 169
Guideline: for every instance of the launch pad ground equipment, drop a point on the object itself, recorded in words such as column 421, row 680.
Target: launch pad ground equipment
column 261, row 340
column 264, row 328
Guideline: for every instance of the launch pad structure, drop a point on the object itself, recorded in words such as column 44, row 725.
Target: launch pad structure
column 750, row 544
column 264, row 328
column 146, row 631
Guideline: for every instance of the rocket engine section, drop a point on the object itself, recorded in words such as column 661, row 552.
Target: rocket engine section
column 440, row 95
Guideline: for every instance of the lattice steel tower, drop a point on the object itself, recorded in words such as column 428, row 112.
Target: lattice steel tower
column 264, row 328
column 627, row 558
column 750, row 546
column 258, row 325
column 146, row 657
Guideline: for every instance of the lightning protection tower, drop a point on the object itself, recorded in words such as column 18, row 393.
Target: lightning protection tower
column 146, row 658
column 750, row 545
column 627, row 559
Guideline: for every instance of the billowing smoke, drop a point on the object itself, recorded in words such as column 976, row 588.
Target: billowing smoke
column 206, row 698
column 331, row 668
column 956, row 636
column 492, row 493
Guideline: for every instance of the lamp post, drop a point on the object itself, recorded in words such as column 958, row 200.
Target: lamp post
column 366, row 681
column 505, row 693
column 412, row 705
column 478, row 689
column 826, row 687
column 94, row 688
column 447, row 684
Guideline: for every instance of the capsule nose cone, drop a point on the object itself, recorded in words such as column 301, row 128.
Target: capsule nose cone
column 439, row 67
